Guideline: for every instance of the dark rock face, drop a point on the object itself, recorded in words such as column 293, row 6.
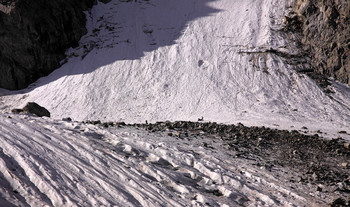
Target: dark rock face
column 326, row 29
column 34, row 108
column 34, row 36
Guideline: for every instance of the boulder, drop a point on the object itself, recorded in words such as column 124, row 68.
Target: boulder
column 34, row 108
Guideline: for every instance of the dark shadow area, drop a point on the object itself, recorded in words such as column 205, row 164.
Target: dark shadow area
column 34, row 36
column 126, row 30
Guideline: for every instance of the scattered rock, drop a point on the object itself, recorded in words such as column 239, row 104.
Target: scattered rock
column 67, row 119
column 347, row 145
column 339, row 202
column 107, row 124
column 317, row 160
column 215, row 192
column 119, row 124
column 342, row 132
column 17, row 111
column 93, row 122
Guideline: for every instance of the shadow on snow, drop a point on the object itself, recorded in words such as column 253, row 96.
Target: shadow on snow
column 125, row 31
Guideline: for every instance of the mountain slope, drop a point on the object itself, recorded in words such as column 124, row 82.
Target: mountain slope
column 180, row 60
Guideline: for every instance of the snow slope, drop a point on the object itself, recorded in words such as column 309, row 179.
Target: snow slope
column 46, row 162
column 183, row 59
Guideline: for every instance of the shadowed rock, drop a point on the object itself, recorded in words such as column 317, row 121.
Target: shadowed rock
column 34, row 108
column 17, row 111
column 34, row 36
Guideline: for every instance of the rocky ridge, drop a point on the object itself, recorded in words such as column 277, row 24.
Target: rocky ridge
column 35, row 35
column 325, row 26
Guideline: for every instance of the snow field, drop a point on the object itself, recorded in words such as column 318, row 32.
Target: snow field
column 46, row 162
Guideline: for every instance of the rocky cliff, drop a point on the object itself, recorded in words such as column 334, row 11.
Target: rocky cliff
column 325, row 36
column 34, row 36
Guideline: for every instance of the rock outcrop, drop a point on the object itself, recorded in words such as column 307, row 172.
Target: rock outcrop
column 34, row 36
column 325, row 35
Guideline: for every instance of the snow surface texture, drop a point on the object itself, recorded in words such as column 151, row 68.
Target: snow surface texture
column 183, row 59
column 44, row 162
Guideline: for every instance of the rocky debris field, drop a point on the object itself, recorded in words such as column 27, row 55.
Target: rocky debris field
column 321, row 164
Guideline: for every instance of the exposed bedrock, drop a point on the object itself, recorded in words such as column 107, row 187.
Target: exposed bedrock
column 34, row 36
column 325, row 35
